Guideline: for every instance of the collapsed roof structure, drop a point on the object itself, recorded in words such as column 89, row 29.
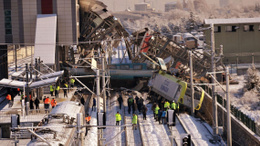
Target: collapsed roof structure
column 98, row 25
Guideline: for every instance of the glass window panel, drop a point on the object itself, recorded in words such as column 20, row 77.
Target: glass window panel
column 8, row 25
column 8, row 31
column 7, row 12
column 137, row 67
column 124, row 67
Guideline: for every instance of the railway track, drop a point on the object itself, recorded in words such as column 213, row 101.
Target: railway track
column 133, row 137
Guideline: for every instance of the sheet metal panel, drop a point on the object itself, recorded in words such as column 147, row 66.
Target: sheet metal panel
column 43, row 82
column 45, row 37
column 21, row 84
column 166, row 87
column 12, row 83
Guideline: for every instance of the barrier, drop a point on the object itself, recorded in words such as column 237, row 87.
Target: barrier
column 246, row 120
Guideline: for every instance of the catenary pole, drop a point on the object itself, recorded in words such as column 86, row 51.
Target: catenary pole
column 229, row 133
column 191, row 84
column 213, row 69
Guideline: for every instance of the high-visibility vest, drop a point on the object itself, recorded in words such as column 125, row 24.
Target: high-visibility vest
column 156, row 110
column 8, row 97
column 51, row 88
column 47, row 101
column 18, row 89
column 53, row 102
column 118, row 117
column 72, row 81
column 88, row 118
column 173, row 106
column 66, row 85
column 134, row 121
column 166, row 104
column 58, row 88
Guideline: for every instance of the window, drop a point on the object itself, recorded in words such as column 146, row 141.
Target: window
column 251, row 27
column 137, row 67
column 8, row 31
column 228, row 28
column 231, row 28
column 125, row 67
column 46, row 6
column 8, row 26
column 8, row 22
column 112, row 67
column 246, row 27
column 217, row 28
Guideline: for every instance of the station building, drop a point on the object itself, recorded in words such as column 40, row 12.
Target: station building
column 239, row 37
column 57, row 21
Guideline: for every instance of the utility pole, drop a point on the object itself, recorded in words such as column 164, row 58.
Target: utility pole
column 15, row 57
column 98, row 91
column 229, row 133
column 36, row 77
column 98, row 105
column 213, row 69
column 104, row 82
column 27, row 90
column 191, row 84
column 79, row 131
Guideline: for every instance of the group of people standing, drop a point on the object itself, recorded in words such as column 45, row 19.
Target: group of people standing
column 135, row 105
column 160, row 111
column 47, row 103
column 65, row 86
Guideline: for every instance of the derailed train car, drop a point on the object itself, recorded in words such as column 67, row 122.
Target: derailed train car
column 55, row 129
column 174, row 89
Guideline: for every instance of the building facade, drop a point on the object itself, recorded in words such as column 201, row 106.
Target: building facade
column 18, row 20
column 239, row 37
column 18, row 25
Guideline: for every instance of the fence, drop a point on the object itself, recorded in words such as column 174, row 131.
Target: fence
column 246, row 120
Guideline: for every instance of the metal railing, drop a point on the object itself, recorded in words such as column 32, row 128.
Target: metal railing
column 246, row 120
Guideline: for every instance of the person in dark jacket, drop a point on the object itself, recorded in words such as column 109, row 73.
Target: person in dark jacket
column 120, row 101
column 159, row 115
column 31, row 105
column 82, row 100
column 130, row 104
column 94, row 104
column 140, row 104
column 37, row 102
column 144, row 112
column 134, row 107
column 136, row 99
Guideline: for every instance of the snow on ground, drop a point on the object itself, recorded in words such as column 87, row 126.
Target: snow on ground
column 153, row 132
column 247, row 102
column 110, row 133
column 177, row 131
column 91, row 138
column 199, row 133
column 133, row 136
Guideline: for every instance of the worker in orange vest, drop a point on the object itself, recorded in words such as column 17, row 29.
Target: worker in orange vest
column 53, row 103
column 9, row 98
column 19, row 91
column 87, row 118
column 47, row 104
